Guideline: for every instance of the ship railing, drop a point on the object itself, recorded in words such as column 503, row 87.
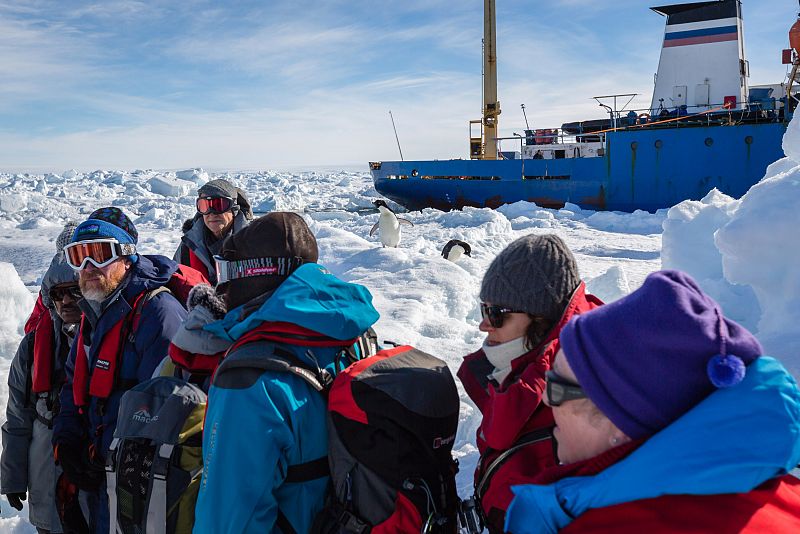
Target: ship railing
column 752, row 111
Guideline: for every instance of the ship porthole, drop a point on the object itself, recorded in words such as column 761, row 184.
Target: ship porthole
column 634, row 145
column 748, row 140
column 709, row 141
column 414, row 173
column 659, row 143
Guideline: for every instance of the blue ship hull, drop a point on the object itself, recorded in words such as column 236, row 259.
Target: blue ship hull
column 645, row 169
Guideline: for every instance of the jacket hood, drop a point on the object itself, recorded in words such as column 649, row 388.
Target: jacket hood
column 148, row 273
column 731, row 442
column 312, row 298
column 59, row 272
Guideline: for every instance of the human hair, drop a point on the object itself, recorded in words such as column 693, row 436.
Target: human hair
column 537, row 330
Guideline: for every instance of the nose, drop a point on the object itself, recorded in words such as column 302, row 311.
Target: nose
column 485, row 326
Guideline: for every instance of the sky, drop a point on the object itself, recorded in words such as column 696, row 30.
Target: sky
column 258, row 85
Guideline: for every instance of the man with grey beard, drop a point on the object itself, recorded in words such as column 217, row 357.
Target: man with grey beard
column 128, row 320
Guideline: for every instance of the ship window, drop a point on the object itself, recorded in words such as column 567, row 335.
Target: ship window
column 634, row 145
column 560, row 154
column 709, row 141
column 659, row 143
column 748, row 140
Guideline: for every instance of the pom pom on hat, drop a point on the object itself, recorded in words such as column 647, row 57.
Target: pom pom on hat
column 725, row 371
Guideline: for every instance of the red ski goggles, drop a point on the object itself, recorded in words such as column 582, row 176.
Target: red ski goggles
column 98, row 252
column 206, row 205
column 495, row 314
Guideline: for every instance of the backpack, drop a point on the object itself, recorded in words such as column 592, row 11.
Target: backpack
column 155, row 460
column 392, row 419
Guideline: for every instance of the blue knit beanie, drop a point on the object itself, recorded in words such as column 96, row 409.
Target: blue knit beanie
column 110, row 222
column 651, row 356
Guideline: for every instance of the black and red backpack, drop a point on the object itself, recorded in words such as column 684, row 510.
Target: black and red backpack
column 392, row 424
column 392, row 420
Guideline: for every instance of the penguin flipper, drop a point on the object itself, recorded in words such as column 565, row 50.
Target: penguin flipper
column 404, row 221
column 374, row 227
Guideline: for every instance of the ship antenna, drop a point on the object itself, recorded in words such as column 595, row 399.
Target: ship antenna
column 395, row 135
column 527, row 126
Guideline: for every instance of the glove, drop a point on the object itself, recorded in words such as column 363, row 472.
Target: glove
column 76, row 465
column 15, row 499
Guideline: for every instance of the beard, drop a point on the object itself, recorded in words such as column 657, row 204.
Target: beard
column 98, row 285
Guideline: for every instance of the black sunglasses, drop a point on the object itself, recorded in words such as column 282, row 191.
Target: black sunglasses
column 561, row 390
column 495, row 313
column 57, row 294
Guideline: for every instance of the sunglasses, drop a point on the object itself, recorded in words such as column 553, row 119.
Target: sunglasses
column 495, row 313
column 206, row 205
column 57, row 294
column 561, row 390
column 98, row 252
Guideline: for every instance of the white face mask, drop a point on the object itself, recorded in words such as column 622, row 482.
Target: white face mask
column 501, row 356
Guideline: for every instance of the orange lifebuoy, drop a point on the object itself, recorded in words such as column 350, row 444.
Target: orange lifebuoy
column 643, row 117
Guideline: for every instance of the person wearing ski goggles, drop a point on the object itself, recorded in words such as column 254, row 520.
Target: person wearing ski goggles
column 528, row 293
column 222, row 209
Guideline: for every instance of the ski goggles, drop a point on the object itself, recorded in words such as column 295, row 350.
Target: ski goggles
column 98, row 252
column 57, row 294
column 206, row 205
column 268, row 266
column 495, row 314
column 560, row 390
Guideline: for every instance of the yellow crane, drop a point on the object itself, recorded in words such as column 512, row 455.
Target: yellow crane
column 484, row 145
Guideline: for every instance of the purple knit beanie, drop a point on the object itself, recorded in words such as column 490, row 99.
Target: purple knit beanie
column 651, row 356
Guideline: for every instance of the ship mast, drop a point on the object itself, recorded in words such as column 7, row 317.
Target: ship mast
column 491, row 107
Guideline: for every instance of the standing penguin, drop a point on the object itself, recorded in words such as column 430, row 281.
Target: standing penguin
column 455, row 248
column 389, row 225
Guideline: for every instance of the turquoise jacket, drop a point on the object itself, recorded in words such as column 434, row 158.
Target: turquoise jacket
column 258, row 424
column 732, row 442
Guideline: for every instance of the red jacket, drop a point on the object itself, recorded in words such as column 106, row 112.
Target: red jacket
column 773, row 507
column 512, row 410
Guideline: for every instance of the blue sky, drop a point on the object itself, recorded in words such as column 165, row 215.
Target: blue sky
column 298, row 84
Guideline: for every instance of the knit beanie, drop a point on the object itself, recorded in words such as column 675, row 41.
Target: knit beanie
column 277, row 234
column 223, row 188
column 65, row 236
column 649, row 357
column 536, row 274
column 110, row 222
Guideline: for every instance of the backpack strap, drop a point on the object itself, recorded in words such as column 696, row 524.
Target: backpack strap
column 535, row 436
column 111, row 484
column 268, row 357
column 157, row 503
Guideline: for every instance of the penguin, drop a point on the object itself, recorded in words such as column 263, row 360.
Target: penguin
column 455, row 248
column 389, row 225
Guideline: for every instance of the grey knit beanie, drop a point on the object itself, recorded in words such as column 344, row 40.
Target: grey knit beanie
column 536, row 274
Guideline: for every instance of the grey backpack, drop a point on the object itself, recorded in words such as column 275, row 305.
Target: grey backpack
column 155, row 460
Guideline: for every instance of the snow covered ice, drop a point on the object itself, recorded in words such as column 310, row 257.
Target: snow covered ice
column 742, row 251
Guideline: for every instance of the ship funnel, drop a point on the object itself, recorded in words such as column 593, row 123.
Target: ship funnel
column 702, row 64
column 794, row 36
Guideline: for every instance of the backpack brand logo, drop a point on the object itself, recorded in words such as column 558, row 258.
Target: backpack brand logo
column 103, row 365
column 439, row 442
column 143, row 416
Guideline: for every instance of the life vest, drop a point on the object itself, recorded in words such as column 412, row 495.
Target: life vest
column 100, row 381
column 44, row 341
column 196, row 263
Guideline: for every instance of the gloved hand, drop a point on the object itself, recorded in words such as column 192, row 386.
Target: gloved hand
column 76, row 465
column 15, row 499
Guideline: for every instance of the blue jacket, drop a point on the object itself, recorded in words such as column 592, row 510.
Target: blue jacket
column 732, row 442
column 160, row 319
column 258, row 424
